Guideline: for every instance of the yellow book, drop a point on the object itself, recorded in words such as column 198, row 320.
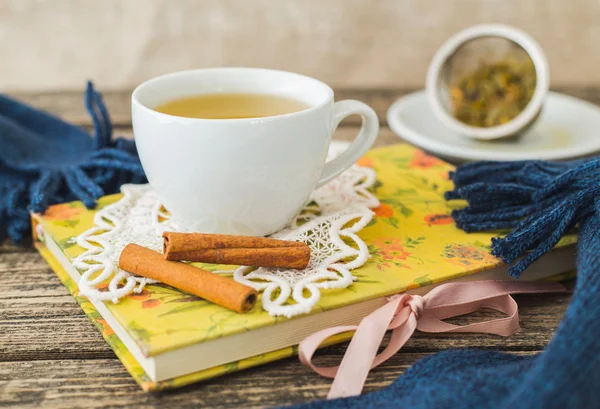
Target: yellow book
column 166, row 338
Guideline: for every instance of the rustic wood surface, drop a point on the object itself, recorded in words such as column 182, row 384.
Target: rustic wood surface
column 51, row 356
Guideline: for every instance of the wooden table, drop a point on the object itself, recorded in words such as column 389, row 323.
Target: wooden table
column 51, row 356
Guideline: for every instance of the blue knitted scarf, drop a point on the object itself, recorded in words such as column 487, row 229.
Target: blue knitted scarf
column 540, row 201
column 44, row 160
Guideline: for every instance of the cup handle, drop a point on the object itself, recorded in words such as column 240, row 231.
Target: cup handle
column 365, row 138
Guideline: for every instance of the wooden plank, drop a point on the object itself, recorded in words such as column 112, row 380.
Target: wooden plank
column 69, row 105
column 21, row 261
column 8, row 246
column 105, row 383
column 27, row 275
column 46, row 337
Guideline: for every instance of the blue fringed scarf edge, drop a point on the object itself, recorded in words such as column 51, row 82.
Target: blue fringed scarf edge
column 541, row 202
column 113, row 163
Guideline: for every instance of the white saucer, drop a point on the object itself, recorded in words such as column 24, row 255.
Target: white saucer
column 567, row 128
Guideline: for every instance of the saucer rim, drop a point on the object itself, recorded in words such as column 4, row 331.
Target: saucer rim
column 445, row 150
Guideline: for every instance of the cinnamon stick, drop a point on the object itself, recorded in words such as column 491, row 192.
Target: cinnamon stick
column 212, row 287
column 238, row 250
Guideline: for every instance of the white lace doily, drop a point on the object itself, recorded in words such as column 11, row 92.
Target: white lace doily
column 331, row 219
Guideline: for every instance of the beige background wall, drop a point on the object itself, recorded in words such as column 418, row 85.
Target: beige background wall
column 58, row 44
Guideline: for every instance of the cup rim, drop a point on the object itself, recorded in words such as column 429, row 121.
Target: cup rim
column 135, row 100
column 525, row 117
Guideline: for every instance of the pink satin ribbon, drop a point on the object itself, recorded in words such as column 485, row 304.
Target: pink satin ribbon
column 404, row 313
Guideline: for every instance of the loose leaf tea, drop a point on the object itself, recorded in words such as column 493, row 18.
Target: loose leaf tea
column 494, row 93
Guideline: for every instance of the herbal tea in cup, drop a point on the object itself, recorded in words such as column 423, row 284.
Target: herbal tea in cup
column 231, row 106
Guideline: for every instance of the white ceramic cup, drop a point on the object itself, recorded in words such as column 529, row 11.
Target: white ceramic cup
column 247, row 176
